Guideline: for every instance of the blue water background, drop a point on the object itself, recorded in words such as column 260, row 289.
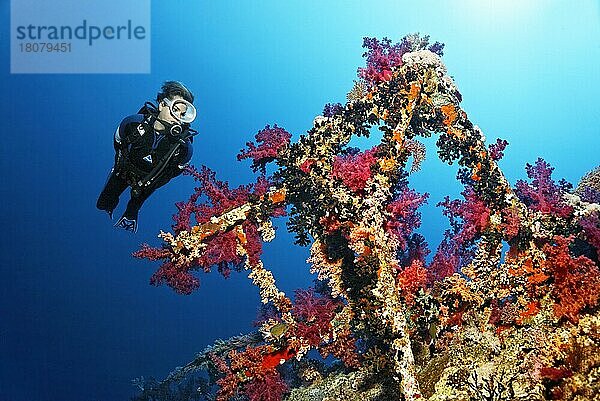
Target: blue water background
column 78, row 319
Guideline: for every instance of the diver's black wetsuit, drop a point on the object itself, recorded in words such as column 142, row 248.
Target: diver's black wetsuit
column 139, row 148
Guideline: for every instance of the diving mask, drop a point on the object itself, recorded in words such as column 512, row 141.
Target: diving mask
column 181, row 110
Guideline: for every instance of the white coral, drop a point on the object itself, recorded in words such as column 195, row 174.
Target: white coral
column 424, row 57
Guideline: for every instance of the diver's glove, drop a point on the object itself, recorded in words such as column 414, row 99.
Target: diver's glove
column 127, row 224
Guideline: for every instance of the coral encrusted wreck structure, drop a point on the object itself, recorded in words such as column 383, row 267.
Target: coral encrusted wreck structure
column 507, row 309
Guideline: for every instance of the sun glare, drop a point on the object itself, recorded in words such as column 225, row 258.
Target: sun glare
column 499, row 12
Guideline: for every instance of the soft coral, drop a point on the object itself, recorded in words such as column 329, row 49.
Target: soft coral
column 576, row 280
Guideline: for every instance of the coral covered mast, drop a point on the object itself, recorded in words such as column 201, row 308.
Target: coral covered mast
column 384, row 312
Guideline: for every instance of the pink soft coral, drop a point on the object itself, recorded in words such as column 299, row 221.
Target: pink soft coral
column 382, row 56
column 473, row 213
column 219, row 198
column 221, row 249
column 174, row 276
column 591, row 228
column 314, row 314
column 468, row 219
column 404, row 217
column 270, row 141
column 269, row 387
column 543, row 194
column 354, row 170
column 253, row 242
column 180, row 280
column 497, row 149
column 445, row 261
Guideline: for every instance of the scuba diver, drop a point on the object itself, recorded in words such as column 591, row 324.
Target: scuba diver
column 151, row 148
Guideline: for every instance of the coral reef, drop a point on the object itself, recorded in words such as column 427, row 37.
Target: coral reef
column 589, row 186
column 507, row 309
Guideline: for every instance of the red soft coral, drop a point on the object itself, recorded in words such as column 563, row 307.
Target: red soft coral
column 175, row 276
column 221, row 249
column 219, row 198
column 511, row 222
column 354, row 170
column 228, row 384
column 576, row 280
column 151, row 253
column 411, row 279
column 251, row 373
column 555, row 374
column 330, row 223
column 445, row 261
column 270, row 142
column 180, row 280
column 342, row 348
column 269, row 387
column 473, row 213
column 253, row 241
column 307, row 165
column 314, row 314
column 310, row 307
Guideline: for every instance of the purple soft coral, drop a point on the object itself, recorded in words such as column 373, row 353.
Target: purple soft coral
column 543, row 194
column 381, row 56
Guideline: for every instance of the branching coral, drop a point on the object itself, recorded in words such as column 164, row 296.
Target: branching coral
column 493, row 326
